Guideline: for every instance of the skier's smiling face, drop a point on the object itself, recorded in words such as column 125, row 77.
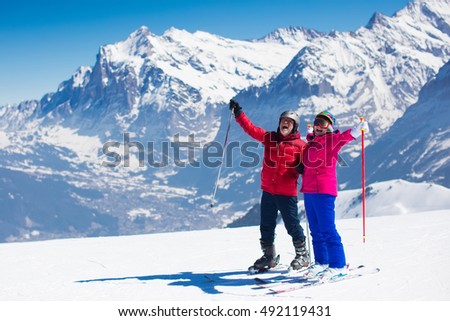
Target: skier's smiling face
column 320, row 126
column 286, row 126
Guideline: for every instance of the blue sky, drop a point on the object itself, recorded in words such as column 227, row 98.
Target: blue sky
column 42, row 43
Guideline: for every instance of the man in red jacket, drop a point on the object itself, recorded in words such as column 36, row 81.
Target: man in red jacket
column 283, row 150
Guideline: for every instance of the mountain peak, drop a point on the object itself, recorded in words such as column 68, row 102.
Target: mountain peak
column 142, row 32
column 377, row 19
column 428, row 8
column 290, row 35
column 173, row 32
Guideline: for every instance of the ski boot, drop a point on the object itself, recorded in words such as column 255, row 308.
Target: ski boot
column 267, row 261
column 301, row 260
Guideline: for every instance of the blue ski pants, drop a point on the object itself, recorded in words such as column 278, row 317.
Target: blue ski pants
column 327, row 244
column 287, row 205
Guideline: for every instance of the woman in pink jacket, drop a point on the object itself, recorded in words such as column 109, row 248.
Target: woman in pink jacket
column 319, row 185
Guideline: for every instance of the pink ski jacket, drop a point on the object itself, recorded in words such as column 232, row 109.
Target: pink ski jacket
column 320, row 159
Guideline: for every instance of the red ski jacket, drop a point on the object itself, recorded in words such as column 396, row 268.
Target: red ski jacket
column 282, row 154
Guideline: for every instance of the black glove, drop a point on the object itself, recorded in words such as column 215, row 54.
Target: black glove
column 300, row 168
column 234, row 106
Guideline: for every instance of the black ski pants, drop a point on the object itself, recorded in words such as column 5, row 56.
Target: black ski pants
column 288, row 208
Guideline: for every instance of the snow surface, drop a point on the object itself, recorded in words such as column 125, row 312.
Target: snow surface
column 410, row 249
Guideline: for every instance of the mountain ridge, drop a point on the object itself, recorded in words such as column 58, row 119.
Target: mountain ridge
column 147, row 91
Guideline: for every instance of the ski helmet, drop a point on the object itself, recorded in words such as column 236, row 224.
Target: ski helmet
column 328, row 117
column 291, row 115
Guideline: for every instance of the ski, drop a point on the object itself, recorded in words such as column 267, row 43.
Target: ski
column 287, row 276
column 294, row 276
column 268, row 282
column 303, row 283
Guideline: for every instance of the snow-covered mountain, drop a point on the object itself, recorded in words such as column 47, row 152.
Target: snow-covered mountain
column 376, row 72
column 416, row 147
column 152, row 90
column 153, row 97
column 178, row 77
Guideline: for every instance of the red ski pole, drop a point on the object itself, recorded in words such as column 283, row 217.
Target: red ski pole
column 363, row 182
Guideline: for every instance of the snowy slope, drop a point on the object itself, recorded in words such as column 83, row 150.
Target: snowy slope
column 395, row 197
column 410, row 249
column 92, row 278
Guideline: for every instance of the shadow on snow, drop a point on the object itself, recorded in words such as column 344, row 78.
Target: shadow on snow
column 207, row 282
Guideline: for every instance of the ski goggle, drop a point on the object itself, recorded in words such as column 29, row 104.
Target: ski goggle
column 321, row 123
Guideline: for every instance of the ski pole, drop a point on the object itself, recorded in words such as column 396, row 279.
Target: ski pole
column 308, row 238
column 363, row 182
column 221, row 161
